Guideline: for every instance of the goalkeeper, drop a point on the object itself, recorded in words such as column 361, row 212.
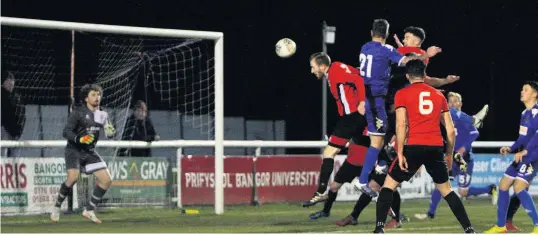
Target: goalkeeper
column 82, row 133
column 462, row 168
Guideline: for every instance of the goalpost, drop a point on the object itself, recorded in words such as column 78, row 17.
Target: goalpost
column 184, row 75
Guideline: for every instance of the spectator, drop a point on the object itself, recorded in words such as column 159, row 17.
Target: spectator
column 13, row 113
column 139, row 127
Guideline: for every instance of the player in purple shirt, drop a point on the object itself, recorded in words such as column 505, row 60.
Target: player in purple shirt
column 376, row 58
column 522, row 170
column 466, row 134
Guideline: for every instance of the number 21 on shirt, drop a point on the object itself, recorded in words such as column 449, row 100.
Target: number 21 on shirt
column 366, row 60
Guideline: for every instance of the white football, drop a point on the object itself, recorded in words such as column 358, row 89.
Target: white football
column 285, row 47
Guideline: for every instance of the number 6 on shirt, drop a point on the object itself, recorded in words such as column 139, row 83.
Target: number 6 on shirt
column 425, row 106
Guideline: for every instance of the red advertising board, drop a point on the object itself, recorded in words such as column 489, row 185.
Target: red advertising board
column 290, row 178
column 198, row 180
column 287, row 178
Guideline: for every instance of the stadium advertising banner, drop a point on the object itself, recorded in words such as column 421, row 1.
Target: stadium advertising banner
column 287, row 178
column 30, row 185
column 198, row 180
column 143, row 180
column 277, row 179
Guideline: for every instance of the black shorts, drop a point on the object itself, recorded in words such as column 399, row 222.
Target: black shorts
column 431, row 157
column 348, row 127
column 87, row 162
column 347, row 172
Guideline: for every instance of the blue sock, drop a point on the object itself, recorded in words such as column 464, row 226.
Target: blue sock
column 502, row 207
column 528, row 204
column 369, row 163
column 436, row 198
column 473, row 191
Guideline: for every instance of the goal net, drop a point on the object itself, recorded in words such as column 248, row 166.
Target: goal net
column 174, row 78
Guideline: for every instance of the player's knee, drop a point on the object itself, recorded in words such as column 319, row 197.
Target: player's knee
column 505, row 183
column 330, row 151
column 463, row 192
column 390, row 183
column 520, row 185
column 376, row 141
column 105, row 180
column 72, row 177
column 334, row 187
column 375, row 186
column 444, row 188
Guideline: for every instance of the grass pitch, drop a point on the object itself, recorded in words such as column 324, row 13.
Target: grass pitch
column 271, row 218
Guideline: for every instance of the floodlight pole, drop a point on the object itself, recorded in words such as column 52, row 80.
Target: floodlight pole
column 326, row 39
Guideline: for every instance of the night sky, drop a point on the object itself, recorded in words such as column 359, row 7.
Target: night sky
column 491, row 45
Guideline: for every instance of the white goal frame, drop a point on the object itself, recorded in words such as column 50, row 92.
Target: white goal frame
column 218, row 37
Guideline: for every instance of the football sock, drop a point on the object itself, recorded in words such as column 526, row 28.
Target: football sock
column 98, row 193
column 455, row 204
column 329, row 203
column 528, row 204
column 396, row 200
column 473, row 191
column 512, row 207
column 62, row 194
column 362, row 203
column 369, row 163
column 325, row 173
column 502, row 208
column 435, row 199
column 383, row 205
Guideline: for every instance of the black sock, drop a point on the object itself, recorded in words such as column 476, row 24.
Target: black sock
column 396, row 200
column 362, row 203
column 329, row 203
column 325, row 173
column 98, row 193
column 384, row 201
column 62, row 194
column 455, row 204
column 512, row 207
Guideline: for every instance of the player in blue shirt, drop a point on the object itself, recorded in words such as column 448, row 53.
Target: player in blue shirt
column 522, row 170
column 376, row 58
column 466, row 134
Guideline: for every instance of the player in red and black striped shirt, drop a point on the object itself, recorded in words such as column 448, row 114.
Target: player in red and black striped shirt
column 347, row 87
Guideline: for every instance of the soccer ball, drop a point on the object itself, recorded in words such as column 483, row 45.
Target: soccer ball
column 285, row 47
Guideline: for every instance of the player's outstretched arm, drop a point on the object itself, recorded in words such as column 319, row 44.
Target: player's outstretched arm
column 439, row 82
column 446, row 120
column 70, row 127
column 431, row 52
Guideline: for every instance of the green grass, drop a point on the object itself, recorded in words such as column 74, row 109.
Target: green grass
column 273, row 218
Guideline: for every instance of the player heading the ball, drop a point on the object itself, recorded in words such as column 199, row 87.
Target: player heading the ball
column 375, row 60
column 347, row 88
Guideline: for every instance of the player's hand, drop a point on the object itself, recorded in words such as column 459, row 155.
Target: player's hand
column 432, row 51
column 86, row 139
column 452, row 79
column 397, row 40
column 403, row 162
column 505, row 150
column 519, row 156
column 362, row 108
column 109, row 130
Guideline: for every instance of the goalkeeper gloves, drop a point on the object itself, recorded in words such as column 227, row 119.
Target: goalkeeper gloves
column 109, row 130
column 85, row 139
column 459, row 159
